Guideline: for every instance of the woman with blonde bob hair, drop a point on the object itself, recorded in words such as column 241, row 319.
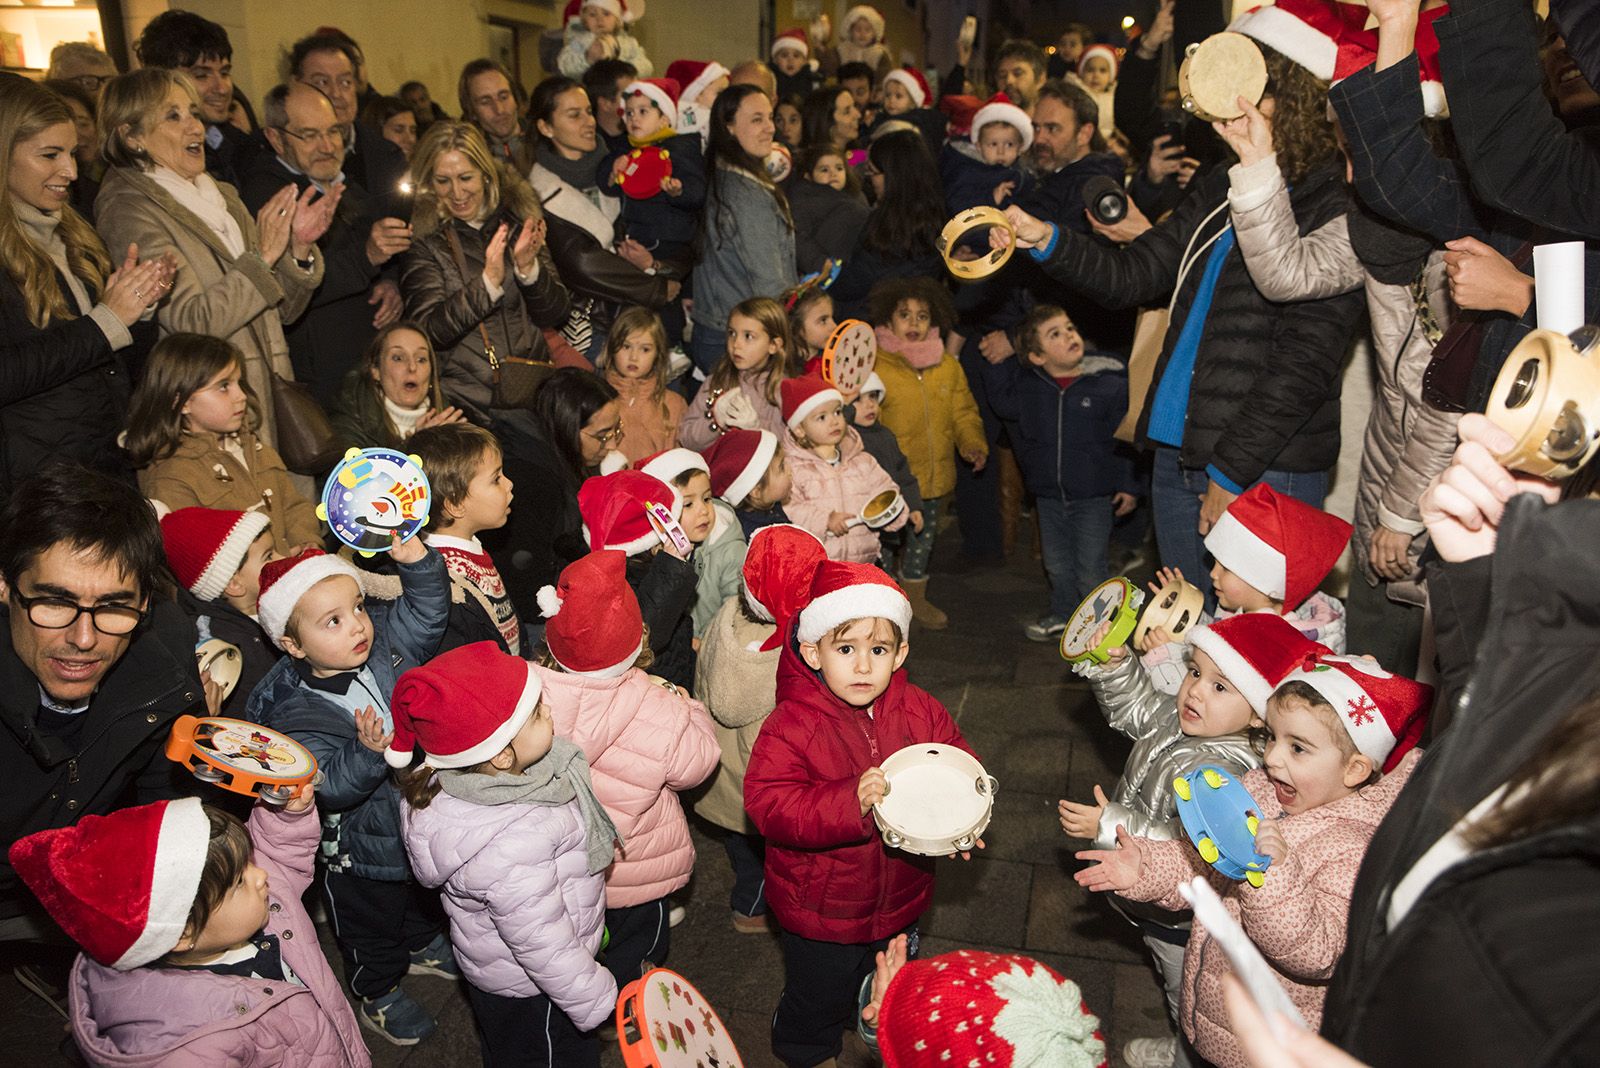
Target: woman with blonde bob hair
column 65, row 314
column 238, row 278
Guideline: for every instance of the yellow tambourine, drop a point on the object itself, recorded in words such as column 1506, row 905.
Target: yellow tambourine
column 962, row 225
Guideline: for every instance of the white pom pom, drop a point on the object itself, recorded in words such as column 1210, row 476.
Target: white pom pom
column 396, row 759
column 549, row 601
column 612, row 462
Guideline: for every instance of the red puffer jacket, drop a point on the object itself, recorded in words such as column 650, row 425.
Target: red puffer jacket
column 829, row 875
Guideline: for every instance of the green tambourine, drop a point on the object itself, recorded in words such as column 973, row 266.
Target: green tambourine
column 1117, row 600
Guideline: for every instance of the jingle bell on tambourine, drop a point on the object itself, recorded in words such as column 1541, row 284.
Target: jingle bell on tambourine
column 242, row 757
column 646, row 168
column 1547, row 396
column 849, row 355
column 1219, row 70
column 965, row 223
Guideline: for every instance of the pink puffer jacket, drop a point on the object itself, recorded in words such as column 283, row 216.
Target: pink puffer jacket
column 525, row 914
column 644, row 740
column 821, row 488
column 179, row 1018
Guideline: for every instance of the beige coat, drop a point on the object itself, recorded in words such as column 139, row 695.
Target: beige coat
column 738, row 683
column 245, row 300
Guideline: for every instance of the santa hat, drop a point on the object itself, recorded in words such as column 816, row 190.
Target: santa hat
column 999, row 1009
column 121, row 885
column 462, row 707
column 662, row 92
column 1281, row 546
column 670, row 463
column 594, row 627
column 739, row 460
column 1254, row 650
column 791, row 41
column 804, row 395
column 959, row 111
column 911, row 79
column 874, row 384
column 1384, row 714
column 206, row 546
column 999, row 108
column 1308, row 32
column 615, row 510
column 1100, row 50
column 1433, row 101
column 862, row 11
column 626, row 10
column 843, row 592
column 695, row 75
column 779, row 568
column 284, row 582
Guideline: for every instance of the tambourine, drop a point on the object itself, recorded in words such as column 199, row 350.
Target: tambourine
column 849, row 355
column 647, row 167
column 880, row 511
column 223, row 660
column 963, row 224
column 1116, row 600
column 779, row 163
column 1219, row 70
column 242, row 757
column 1219, row 815
column 1547, row 396
column 1177, row 609
column 939, row 800
column 372, row 494
column 664, row 1022
column 667, row 528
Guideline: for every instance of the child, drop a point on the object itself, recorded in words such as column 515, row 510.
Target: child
column 907, row 98
column 666, row 222
column 191, row 434
column 702, row 83
column 826, row 165
column 1332, row 725
column 1097, row 73
column 711, row 528
column 788, row 124
column 187, row 922
column 331, row 694
column 986, row 170
column 636, row 366
column 929, row 408
column 834, row 475
column 471, row 494
column 750, row 472
column 217, row 557
column 644, row 739
column 736, row 676
column 838, row 895
column 393, row 392
column 596, row 30
column 742, row 390
column 793, row 71
column 810, row 308
column 1062, row 407
column 501, row 814
column 879, row 440
column 860, row 41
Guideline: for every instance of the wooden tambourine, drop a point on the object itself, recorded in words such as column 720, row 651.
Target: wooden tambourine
column 1547, row 396
column 223, row 660
column 1117, row 600
column 242, row 757
column 372, row 494
column 1178, row 609
column 647, row 167
column 1219, row 70
column 880, row 511
column 1219, row 816
column 664, row 1022
column 939, row 800
column 849, row 355
column 963, row 224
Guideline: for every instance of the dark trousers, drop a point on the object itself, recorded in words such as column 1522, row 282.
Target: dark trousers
column 529, row 1033
column 378, row 925
column 821, row 990
column 639, row 933
column 1378, row 626
column 745, row 853
column 977, row 498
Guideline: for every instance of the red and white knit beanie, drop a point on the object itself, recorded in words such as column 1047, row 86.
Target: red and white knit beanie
column 462, row 707
column 738, row 461
column 911, row 79
column 662, row 92
column 999, row 108
column 843, row 592
column 1281, row 546
column 284, row 582
column 593, row 624
column 779, row 567
column 207, row 546
column 1384, row 714
column 616, row 510
column 804, row 395
column 1254, row 650
column 791, row 41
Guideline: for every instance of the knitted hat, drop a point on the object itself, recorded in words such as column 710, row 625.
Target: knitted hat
column 284, row 582
column 791, row 41
column 992, row 1009
column 911, row 79
column 804, row 395
column 121, row 885
column 462, row 707
column 670, row 463
column 615, row 510
column 1308, row 32
column 207, row 546
column 739, row 460
column 843, row 592
column 1281, row 546
column 1104, row 50
column 862, row 11
column 594, row 625
column 999, row 108
column 695, row 75
column 626, row 10
column 1254, row 650
column 778, row 569
column 1384, row 714
column 874, row 384
column 662, row 92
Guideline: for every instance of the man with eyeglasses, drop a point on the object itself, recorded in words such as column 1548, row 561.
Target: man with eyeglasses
column 82, row 64
column 182, row 40
column 95, row 665
column 327, row 62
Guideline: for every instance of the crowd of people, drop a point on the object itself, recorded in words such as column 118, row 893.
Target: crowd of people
column 617, row 319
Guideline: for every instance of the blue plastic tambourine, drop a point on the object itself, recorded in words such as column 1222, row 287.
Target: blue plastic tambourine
column 373, row 494
column 1219, row 815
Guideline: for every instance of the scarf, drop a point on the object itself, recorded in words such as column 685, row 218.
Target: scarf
column 202, row 197
column 921, row 355
column 560, row 776
column 580, row 173
column 405, row 419
column 1392, row 254
column 41, row 227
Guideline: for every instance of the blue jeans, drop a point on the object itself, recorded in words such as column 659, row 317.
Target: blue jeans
column 707, row 347
column 1073, row 535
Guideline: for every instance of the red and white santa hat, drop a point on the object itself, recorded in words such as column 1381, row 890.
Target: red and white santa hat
column 626, row 10
column 695, row 75
column 616, row 510
column 1281, row 546
column 855, row 14
column 911, row 79
column 284, row 582
column 791, row 41
column 779, row 567
column 207, row 546
column 1103, row 50
column 874, row 384
column 804, row 395
column 999, row 1010
column 843, row 592
column 120, row 885
column 999, row 108
column 1254, row 650
column 593, row 624
column 738, row 461
column 1308, row 32
column 462, row 707
column 662, row 92
column 1384, row 714
column 1433, row 100
column 670, row 463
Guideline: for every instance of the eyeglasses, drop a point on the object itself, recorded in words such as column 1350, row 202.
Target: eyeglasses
column 345, row 82
column 91, row 83
column 55, row 613
column 605, row 437
column 332, row 135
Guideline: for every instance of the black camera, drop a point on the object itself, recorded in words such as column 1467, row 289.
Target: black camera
column 1106, row 200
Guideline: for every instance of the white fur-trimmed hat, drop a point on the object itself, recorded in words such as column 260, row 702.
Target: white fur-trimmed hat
column 843, row 591
column 1383, row 713
column 911, row 79
column 874, row 384
column 670, row 463
column 1281, row 546
column 739, row 460
column 616, row 510
column 790, row 41
column 862, row 11
column 1305, row 31
column 804, row 395
column 999, row 108
column 594, row 626
column 626, row 10
column 284, row 582
column 662, row 92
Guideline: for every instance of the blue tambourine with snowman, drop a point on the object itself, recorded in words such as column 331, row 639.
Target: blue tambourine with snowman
column 374, row 494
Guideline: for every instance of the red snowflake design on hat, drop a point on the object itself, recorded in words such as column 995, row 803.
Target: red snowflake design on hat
column 1361, row 710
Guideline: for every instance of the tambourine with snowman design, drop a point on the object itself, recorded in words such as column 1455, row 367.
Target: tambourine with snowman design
column 242, row 757
column 664, row 1022
column 373, row 494
column 640, row 177
column 849, row 355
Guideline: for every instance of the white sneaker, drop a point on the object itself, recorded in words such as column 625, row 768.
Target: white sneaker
column 1150, row 1053
column 675, row 915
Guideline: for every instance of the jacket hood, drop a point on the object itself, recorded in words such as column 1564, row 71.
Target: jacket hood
column 1093, row 364
column 724, row 523
column 444, row 837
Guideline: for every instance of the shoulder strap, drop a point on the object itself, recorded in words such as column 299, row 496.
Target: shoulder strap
column 461, row 265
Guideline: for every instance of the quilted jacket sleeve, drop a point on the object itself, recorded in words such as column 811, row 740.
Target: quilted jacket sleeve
column 419, row 616
column 1128, row 699
column 285, row 845
column 694, row 751
column 1284, row 265
column 790, row 807
column 1166, row 864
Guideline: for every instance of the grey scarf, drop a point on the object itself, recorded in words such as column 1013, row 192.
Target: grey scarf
column 578, row 173
column 560, row 776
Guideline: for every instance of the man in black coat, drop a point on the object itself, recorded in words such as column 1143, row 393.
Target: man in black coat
column 327, row 62
column 182, row 40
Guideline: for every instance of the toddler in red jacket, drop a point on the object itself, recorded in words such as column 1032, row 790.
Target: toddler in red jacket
column 837, row 892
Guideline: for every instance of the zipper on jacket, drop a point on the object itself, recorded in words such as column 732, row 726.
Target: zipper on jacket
column 870, row 736
column 1061, row 395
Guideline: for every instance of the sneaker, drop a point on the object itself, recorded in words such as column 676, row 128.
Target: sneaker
column 1150, row 1053
column 436, row 958
column 396, row 1018
column 1048, row 629
column 675, row 915
column 751, row 924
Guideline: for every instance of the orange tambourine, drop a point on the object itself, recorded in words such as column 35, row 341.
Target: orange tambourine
column 242, row 757
column 849, row 355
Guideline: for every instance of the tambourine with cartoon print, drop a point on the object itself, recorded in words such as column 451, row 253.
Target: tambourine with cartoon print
column 991, row 260
column 939, row 800
column 849, row 355
column 223, row 660
column 664, row 1022
column 1116, row 601
column 242, row 757
column 373, row 494
column 640, row 177
column 1219, row 70
column 1547, row 396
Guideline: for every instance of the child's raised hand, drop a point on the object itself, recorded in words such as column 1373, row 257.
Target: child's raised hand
column 213, row 690
column 409, row 551
column 1003, row 190
column 1114, row 869
column 889, row 962
column 1115, row 655
column 1083, row 821
column 1155, row 638
column 370, row 732
column 303, row 798
column 871, row 789
column 1164, row 578
column 1270, row 841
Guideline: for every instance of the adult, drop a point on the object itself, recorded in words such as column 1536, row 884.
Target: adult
column 81, row 63
column 1020, row 72
column 95, row 665
column 605, row 82
column 394, row 119
column 392, row 392
column 65, row 314
column 748, row 237
column 899, row 236
column 86, row 154
column 183, row 41
column 327, row 62
column 829, row 116
column 417, row 97
column 238, row 278
column 492, row 101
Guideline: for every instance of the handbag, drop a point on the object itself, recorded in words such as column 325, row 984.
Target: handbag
column 1447, row 382
column 513, row 380
column 306, row 441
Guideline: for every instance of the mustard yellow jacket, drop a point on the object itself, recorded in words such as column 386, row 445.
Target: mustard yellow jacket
column 933, row 415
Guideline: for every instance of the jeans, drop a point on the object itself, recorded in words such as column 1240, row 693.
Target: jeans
column 529, row 1033
column 1073, row 536
column 745, row 853
column 1379, row 627
column 707, row 347
column 978, row 492
column 919, row 547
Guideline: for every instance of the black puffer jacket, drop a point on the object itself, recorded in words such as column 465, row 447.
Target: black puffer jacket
column 1265, row 391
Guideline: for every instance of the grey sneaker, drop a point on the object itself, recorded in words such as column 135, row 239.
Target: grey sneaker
column 1150, row 1053
column 396, row 1018
column 1048, row 629
column 436, row 958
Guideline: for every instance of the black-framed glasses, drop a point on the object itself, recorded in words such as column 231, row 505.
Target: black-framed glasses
column 58, row 613
column 333, row 134
column 91, row 83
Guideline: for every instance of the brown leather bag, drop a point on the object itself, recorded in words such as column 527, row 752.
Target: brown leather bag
column 306, row 440
column 1149, row 334
column 513, row 379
